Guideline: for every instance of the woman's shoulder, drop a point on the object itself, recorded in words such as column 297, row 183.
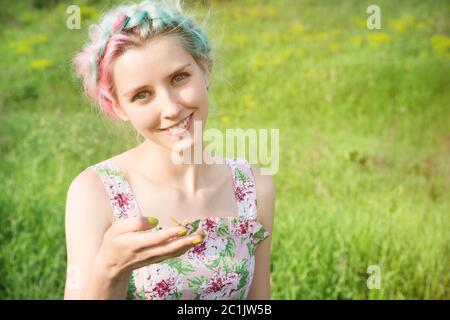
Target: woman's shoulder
column 121, row 160
column 87, row 194
column 265, row 195
column 88, row 186
column 264, row 181
column 264, row 185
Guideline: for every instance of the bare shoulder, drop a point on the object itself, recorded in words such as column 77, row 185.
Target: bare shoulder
column 87, row 195
column 88, row 216
column 86, row 183
column 265, row 195
column 263, row 181
column 86, row 178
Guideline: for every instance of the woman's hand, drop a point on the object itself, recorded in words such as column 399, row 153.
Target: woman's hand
column 128, row 245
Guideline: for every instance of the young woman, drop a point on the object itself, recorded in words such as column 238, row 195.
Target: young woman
column 150, row 64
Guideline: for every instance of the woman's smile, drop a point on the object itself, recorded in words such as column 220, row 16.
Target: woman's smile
column 182, row 127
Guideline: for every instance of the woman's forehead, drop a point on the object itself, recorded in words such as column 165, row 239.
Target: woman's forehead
column 160, row 56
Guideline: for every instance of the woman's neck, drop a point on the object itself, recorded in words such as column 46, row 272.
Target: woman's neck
column 157, row 162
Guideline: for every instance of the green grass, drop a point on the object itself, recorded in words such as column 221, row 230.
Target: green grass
column 364, row 125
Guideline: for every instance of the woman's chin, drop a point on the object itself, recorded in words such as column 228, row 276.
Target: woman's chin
column 183, row 143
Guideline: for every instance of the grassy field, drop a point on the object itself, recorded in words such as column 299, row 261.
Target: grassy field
column 364, row 121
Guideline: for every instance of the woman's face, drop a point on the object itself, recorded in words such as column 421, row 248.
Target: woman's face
column 158, row 86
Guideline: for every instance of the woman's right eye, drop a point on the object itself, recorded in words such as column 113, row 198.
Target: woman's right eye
column 140, row 96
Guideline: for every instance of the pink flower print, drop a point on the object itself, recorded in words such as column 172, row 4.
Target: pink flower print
column 239, row 194
column 164, row 287
column 122, row 199
column 209, row 225
column 215, row 285
column 161, row 281
column 220, row 286
column 199, row 249
column 242, row 228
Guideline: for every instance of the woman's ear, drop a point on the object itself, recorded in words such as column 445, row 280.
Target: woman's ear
column 118, row 111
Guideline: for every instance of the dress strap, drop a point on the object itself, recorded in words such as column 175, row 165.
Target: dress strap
column 122, row 198
column 244, row 187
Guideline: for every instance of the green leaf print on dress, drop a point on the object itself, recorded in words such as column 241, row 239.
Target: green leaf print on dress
column 194, row 285
column 110, row 172
column 242, row 268
column 241, row 176
column 131, row 286
column 230, row 248
column 182, row 266
column 223, row 230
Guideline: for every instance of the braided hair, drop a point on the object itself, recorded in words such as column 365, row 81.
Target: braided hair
column 128, row 26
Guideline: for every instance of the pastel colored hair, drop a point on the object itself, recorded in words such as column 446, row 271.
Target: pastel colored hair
column 130, row 26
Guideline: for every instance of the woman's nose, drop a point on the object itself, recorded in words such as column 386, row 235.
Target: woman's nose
column 170, row 108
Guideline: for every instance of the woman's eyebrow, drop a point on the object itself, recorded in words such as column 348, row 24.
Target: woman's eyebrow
column 131, row 91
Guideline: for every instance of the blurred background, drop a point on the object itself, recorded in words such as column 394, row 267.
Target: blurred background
column 364, row 121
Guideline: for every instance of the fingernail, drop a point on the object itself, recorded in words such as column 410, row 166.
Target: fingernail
column 152, row 221
column 182, row 232
column 197, row 241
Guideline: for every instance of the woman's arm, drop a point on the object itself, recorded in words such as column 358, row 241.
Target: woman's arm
column 265, row 193
column 88, row 216
column 101, row 253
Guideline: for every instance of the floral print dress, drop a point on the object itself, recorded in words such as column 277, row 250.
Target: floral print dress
column 220, row 267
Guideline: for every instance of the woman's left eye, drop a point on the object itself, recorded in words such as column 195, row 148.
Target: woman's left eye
column 140, row 96
column 181, row 76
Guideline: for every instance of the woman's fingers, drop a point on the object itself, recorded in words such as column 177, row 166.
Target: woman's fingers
column 150, row 239
column 133, row 225
column 173, row 248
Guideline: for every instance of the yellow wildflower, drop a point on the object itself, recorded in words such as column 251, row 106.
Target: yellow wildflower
column 405, row 22
column 441, row 45
column 40, row 64
column 242, row 40
column 377, row 38
column 224, row 119
column 88, row 13
column 257, row 63
column 248, row 101
column 297, row 28
column 20, row 46
column 25, row 45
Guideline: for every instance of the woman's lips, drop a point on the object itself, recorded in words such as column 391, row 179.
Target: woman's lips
column 176, row 131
